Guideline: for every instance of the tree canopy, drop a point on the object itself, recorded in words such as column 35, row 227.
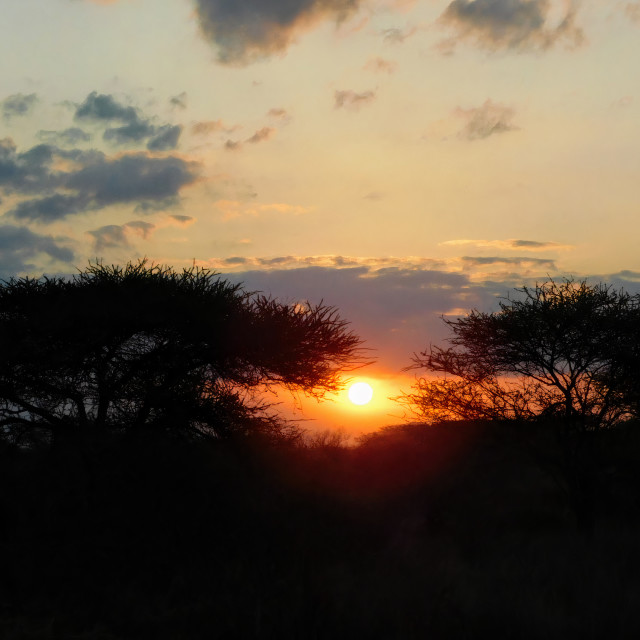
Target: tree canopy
column 126, row 347
column 558, row 350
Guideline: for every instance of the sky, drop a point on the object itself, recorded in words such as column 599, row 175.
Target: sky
column 401, row 160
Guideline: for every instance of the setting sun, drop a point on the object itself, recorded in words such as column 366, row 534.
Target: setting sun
column 360, row 393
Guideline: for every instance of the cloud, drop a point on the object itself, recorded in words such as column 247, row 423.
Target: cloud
column 51, row 208
column 143, row 229
column 509, row 271
column 108, row 237
column 68, row 137
column 396, row 310
column 212, row 126
column 236, row 260
column 135, row 127
column 244, row 31
column 133, row 177
column 182, row 220
column 395, row 304
column 516, row 25
column 90, row 180
column 410, row 263
column 153, row 206
column 471, row 262
column 105, row 107
column 485, row 121
column 520, row 245
column 137, row 131
column 351, row 100
column 278, row 113
column 112, row 236
column 18, row 104
column 395, row 35
column 33, row 170
column 380, row 65
column 165, row 138
column 263, row 134
column 179, row 101
column 19, row 245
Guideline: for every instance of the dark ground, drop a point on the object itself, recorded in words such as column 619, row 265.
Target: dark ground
column 452, row 531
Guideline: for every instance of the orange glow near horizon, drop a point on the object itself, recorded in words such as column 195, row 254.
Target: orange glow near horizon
column 337, row 412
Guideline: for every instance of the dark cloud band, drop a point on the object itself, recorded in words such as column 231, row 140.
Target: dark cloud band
column 19, row 245
column 95, row 181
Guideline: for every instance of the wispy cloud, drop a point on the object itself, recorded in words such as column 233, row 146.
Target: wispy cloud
column 262, row 135
column 182, row 220
column 266, row 133
column 396, row 35
column 18, row 104
column 112, row 236
column 485, row 121
column 477, row 261
column 233, row 145
column 212, row 126
column 279, row 114
column 179, row 101
column 68, row 137
column 380, row 65
column 349, row 99
column 408, row 263
column 512, row 244
column 142, row 228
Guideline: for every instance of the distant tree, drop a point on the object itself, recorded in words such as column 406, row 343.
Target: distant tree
column 128, row 347
column 557, row 350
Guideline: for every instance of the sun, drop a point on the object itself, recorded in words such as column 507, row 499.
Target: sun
column 360, row 393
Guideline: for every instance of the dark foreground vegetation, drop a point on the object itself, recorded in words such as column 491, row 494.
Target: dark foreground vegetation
column 445, row 531
column 148, row 492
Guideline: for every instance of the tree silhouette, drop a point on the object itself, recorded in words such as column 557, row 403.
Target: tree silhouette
column 128, row 347
column 555, row 350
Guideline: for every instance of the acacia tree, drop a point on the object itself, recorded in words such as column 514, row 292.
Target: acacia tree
column 127, row 347
column 554, row 350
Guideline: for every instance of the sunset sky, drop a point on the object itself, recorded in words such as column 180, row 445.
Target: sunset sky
column 400, row 160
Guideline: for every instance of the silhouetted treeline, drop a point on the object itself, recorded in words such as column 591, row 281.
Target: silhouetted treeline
column 454, row 530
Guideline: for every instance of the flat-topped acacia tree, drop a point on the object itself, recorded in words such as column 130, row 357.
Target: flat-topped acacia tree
column 119, row 348
column 560, row 350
